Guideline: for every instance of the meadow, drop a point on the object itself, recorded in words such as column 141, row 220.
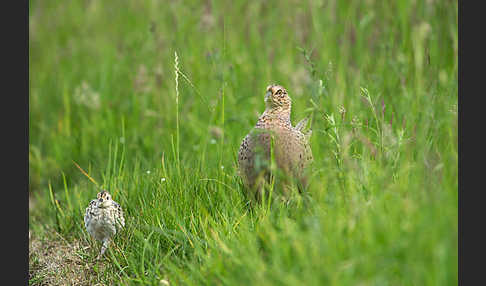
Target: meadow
column 153, row 98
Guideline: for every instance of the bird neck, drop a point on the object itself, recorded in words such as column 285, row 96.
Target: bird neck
column 277, row 113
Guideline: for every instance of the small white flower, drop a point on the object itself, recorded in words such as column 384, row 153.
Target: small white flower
column 148, row 171
column 162, row 180
column 222, row 167
column 85, row 95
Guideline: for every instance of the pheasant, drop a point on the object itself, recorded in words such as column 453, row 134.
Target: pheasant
column 103, row 219
column 292, row 152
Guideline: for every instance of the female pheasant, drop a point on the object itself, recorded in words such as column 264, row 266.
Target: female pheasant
column 291, row 147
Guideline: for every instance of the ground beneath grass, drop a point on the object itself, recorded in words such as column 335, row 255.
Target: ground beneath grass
column 55, row 261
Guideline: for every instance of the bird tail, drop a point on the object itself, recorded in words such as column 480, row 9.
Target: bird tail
column 301, row 126
column 308, row 134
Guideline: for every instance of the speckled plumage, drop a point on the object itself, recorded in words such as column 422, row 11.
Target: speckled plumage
column 292, row 151
column 103, row 219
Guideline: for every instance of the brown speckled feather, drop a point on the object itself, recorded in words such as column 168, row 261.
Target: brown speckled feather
column 292, row 151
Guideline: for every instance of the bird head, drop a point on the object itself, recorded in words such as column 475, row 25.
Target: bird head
column 277, row 97
column 104, row 199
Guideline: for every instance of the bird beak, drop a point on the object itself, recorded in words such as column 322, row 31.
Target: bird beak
column 103, row 203
column 267, row 95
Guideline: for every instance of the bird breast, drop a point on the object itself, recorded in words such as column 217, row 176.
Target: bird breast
column 100, row 223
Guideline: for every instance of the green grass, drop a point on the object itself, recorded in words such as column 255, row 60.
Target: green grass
column 379, row 79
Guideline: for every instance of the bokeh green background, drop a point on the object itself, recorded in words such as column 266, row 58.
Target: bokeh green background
column 378, row 78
